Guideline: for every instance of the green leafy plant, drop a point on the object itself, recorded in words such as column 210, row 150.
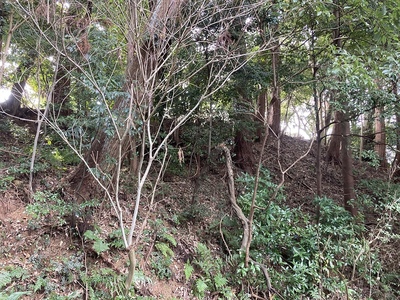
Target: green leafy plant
column 13, row 296
column 49, row 206
column 5, row 182
column 104, row 283
column 22, row 167
column 99, row 245
column 307, row 258
column 8, row 276
column 40, row 284
column 163, row 257
column 210, row 270
column 164, row 249
column 161, row 265
column 201, row 286
column 115, row 239
column 21, row 134
column 188, row 269
column 371, row 157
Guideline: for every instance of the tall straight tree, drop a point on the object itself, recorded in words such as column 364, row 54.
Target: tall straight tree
column 340, row 142
column 380, row 136
column 396, row 161
column 274, row 108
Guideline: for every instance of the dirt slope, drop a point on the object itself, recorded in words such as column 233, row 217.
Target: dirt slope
column 187, row 206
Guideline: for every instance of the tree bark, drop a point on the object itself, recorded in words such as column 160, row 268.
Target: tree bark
column 396, row 161
column 274, row 109
column 333, row 152
column 380, row 136
column 232, row 196
column 262, row 105
column 13, row 103
column 368, row 132
column 61, row 90
column 349, row 195
column 244, row 157
column 326, row 117
column 3, row 16
column 4, row 46
column 107, row 152
column 339, row 147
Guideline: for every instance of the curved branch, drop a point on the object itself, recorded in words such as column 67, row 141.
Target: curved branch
column 232, row 196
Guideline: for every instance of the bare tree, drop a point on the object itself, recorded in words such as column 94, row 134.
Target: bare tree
column 155, row 78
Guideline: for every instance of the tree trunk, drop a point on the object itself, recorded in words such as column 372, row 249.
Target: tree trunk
column 13, row 103
column 4, row 45
column 318, row 173
column 274, row 109
column 349, row 195
column 145, row 49
column 396, row 161
column 262, row 105
column 362, row 124
column 244, row 156
column 380, row 136
column 339, row 148
column 339, row 152
column 368, row 134
column 245, row 137
column 3, row 16
column 105, row 155
column 61, row 90
column 318, row 116
column 326, row 117
column 333, row 152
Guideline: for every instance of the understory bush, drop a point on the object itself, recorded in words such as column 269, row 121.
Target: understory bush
column 334, row 256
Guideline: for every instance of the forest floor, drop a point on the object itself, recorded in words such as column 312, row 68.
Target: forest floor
column 49, row 256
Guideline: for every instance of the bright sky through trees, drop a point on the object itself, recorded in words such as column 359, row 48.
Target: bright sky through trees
column 4, row 94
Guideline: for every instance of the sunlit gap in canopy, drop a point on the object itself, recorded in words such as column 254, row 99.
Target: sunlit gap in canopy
column 298, row 124
column 4, row 94
column 31, row 98
column 65, row 5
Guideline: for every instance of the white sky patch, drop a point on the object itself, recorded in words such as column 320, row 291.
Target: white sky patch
column 295, row 129
column 4, row 94
column 31, row 98
column 299, row 124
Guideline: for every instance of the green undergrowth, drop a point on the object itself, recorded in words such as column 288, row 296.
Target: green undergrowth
column 333, row 256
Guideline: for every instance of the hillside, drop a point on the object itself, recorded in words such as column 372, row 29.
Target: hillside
column 46, row 255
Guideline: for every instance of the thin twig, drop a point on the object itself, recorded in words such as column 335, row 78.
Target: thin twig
column 223, row 238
